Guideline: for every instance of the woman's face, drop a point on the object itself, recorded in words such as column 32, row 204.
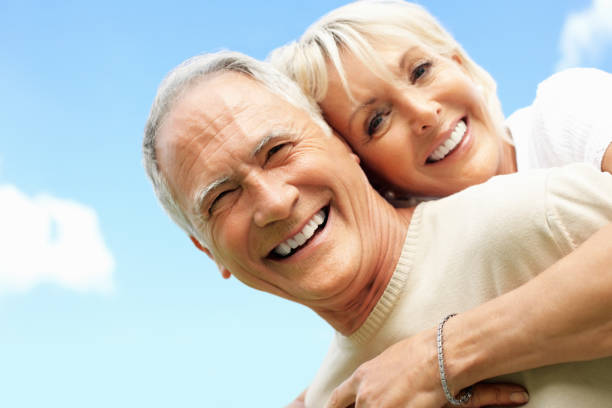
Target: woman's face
column 427, row 132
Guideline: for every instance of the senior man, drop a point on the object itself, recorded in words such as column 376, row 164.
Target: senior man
column 245, row 165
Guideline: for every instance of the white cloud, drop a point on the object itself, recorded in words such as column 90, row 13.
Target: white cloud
column 586, row 35
column 50, row 240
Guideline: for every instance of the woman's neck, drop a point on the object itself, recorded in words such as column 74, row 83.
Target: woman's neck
column 507, row 162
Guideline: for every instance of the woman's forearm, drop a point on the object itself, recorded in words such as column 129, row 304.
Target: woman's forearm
column 606, row 161
column 562, row 315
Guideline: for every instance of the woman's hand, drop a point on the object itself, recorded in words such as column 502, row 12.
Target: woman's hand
column 504, row 335
column 484, row 395
column 406, row 375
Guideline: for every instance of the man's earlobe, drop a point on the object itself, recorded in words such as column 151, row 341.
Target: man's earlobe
column 225, row 273
column 199, row 245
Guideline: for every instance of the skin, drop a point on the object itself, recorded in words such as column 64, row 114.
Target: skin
column 496, row 338
column 270, row 187
column 606, row 163
column 268, row 197
column 395, row 126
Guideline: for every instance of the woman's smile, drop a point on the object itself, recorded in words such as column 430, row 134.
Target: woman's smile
column 423, row 128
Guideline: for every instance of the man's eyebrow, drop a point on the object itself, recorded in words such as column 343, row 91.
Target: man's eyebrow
column 202, row 195
column 271, row 137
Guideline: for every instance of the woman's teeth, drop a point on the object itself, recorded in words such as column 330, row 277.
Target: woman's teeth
column 450, row 143
column 301, row 237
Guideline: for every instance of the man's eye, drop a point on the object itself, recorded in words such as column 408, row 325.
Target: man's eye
column 218, row 200
column 275, row 150
column 419, row 71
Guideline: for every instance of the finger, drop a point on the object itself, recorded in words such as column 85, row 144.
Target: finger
column 343, row 396
column 497, row 394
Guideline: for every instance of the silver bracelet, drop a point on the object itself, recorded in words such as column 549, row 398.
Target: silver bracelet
column 466, row 393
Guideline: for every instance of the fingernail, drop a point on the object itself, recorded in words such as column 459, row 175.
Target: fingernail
column 519, row 397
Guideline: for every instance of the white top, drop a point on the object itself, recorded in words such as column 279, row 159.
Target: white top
column 570, row 121
column 468, row 248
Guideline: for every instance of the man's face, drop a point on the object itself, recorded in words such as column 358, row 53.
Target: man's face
column 282, row 205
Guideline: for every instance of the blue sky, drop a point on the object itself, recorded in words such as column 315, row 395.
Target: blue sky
column 104, row 302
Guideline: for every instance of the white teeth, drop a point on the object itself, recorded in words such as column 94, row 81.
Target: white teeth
column 301, row 237
column 283, row 249
column 450, row 143
column 292, row 242
column 309, row 229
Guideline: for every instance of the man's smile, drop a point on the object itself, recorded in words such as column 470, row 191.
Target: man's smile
column 299, row 240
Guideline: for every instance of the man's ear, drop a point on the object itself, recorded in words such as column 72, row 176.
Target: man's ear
column 224, row 272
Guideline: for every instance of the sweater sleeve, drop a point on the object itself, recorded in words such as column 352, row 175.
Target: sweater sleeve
column 579, row 202
column 572, row 118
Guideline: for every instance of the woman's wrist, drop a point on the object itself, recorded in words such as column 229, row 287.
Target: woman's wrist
column 466, row 354
column 453, row 398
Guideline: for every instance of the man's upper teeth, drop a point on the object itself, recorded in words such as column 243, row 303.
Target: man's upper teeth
column 301, row 237
column 450, row 143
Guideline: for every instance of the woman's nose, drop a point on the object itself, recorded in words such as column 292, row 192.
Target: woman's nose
column 422, row 112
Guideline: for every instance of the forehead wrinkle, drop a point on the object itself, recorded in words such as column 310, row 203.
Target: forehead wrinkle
column 217, row 130
column 201, row 195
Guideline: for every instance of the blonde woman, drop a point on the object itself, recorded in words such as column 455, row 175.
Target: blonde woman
column 426, row 122
column 396, row 85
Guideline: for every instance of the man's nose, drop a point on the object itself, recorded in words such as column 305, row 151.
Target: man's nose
column 422, row 112
column 273, row 198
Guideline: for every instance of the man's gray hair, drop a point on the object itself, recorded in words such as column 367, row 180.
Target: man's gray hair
column 184, row 77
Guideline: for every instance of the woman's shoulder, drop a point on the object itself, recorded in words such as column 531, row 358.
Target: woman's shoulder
column 565, row 85
column 568, row 121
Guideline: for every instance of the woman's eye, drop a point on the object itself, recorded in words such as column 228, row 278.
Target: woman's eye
column 377, row 122
column 374, row 124
column 419, row 71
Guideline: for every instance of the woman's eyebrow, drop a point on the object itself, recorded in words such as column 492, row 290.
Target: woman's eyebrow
column 403, row 60
column 364, row 105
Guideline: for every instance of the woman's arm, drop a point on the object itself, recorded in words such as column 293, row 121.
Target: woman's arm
column 548, row 320
column 606, row 162
column 564, row 314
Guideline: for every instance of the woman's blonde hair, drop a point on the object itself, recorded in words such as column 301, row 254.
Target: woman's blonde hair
column 358, row 28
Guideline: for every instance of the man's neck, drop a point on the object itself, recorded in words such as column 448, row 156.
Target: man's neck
column 391, row 227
